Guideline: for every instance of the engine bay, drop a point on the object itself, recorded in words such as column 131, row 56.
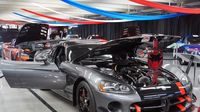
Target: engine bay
column 132, row 71
column 142, row 76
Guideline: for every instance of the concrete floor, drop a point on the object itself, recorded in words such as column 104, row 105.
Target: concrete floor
column 22, row 100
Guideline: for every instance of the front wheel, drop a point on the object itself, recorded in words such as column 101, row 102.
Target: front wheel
column 85, row 98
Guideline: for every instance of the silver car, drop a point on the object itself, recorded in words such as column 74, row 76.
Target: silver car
column 104, row 77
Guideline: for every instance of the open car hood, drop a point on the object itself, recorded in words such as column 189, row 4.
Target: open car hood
column 32, row 32
column 114, row 46
column 128, row 44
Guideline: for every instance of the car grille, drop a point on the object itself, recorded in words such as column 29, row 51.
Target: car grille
column 172, row 104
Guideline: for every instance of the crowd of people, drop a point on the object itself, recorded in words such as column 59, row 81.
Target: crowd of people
column 58, row 34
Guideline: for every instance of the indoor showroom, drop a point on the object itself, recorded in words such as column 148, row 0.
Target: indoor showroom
column 99, row 55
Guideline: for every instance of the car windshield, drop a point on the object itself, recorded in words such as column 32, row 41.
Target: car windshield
column 109, row 54
column 76, row 51
column 103, row 57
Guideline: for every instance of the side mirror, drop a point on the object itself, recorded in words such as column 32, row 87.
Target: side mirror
column 39, row 46
column 41, row 57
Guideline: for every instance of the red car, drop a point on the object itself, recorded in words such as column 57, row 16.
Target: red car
column 22, row 48
column 100, row 38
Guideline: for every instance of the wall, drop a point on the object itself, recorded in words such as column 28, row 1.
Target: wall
column 185, row 25
column 9, row 34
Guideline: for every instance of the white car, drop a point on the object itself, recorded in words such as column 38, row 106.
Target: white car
column 72, row 36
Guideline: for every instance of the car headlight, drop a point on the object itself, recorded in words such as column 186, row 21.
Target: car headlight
column 113, row 87
column 181, row 75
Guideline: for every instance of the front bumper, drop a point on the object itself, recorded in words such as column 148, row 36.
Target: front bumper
column 107, row 102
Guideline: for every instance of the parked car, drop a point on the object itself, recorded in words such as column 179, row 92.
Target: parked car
column 72, row 36
column 97, row 37
column 21, row 48
column 104, row 77
column 164, row 42
column 186, row 45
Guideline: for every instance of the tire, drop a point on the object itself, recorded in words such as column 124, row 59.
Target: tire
column 84, row 98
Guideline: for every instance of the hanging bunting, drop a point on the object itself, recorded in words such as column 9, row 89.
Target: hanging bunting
column 9, row 22
column 168, row 8
column 87, row 19
column 60, row 19
column 119, row 15
column 42, row 21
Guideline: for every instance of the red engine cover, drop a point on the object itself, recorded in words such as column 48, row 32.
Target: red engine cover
column 155, row 61
column 155, row 57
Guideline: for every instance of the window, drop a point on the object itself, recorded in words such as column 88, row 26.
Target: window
column 76, row 51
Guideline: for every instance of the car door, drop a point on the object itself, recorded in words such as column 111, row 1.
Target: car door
column 71, row 74
column 64, row 64
column 33, row 75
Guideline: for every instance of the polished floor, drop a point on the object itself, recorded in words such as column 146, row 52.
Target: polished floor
column 22, row 100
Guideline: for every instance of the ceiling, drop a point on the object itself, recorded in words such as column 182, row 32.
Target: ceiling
column 7, row 7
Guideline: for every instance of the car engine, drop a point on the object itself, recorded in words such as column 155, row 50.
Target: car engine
column 141, row 76
column 133, row 72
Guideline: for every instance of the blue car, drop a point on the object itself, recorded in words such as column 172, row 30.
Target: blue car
column 188, row 45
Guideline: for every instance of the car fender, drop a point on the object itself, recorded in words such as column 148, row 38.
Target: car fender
column 175, row 69
column 93, row 77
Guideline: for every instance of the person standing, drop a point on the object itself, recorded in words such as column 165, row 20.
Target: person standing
column 65, row 32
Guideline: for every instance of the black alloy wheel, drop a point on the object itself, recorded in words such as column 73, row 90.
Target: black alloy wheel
column 85, row 99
